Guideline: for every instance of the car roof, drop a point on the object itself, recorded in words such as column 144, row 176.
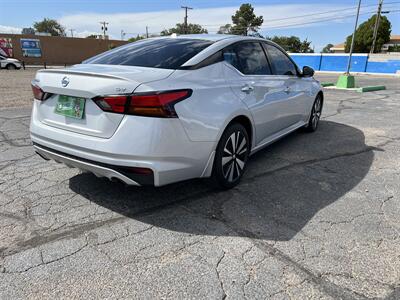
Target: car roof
column 207, row 37
column 215, row 37
column 220, row 41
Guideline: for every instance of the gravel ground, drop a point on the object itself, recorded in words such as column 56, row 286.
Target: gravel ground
column 316, row 216
column 15, row 88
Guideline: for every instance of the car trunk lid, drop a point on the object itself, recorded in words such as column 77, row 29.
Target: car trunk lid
column 89, row 81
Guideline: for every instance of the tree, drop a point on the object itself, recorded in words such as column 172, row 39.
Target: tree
column 92, row 36
column 364, row 35
column 305, row 47
column 293, row 44
column 245, row 20
column 137, row 38
column 327, row 49
column 28, row 30
column 226, row 29
column 50, row 26
column 180, row 29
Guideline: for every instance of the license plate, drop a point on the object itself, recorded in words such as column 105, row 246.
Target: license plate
column 69, row 106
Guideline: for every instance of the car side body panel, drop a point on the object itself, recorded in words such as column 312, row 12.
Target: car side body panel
column 210, row 108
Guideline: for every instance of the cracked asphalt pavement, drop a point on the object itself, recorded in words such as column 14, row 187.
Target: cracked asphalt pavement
column 315, row 217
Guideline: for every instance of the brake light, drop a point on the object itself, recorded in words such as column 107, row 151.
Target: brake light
column 38, row 93
column 153, row 104
column 112, row 103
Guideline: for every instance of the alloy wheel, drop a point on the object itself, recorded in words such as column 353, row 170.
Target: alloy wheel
column 316, row 113
column 234, row 156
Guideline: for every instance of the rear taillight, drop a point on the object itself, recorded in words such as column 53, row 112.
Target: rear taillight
column 115, row 104
column 153, row 104
column 38, row 93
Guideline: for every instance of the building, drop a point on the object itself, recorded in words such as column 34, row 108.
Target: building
column 392, row 46
column 53, row 50
column 339, row 48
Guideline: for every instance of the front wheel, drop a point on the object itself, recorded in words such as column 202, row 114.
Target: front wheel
column 11, row 67
column 231, row 156
column 315, row 116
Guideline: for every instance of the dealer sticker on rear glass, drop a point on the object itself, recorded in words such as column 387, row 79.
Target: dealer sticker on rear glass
column 69, row 106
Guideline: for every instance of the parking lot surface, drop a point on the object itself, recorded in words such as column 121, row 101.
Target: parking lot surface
column 315, row 217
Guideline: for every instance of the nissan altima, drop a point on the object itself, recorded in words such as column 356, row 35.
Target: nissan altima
column 167, row 109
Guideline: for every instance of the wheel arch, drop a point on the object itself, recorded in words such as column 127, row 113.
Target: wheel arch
column 10, row 64
column 321, row 94
column 246, row 123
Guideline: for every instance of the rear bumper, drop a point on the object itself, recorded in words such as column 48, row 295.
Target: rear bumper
column 160, row 145
column 100, row 170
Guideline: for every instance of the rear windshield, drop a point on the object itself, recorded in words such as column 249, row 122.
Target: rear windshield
column 166, row 53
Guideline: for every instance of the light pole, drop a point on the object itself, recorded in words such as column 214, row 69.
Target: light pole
column 104, row 28
column 346, row 80
column 353, row 38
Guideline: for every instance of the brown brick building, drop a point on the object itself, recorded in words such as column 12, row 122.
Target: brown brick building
column 57, row 50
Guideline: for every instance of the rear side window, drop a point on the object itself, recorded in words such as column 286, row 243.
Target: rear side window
column 280, row 63
column 248, row 57
column 166, row 53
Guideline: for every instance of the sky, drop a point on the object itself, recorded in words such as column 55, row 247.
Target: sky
column 321, row 22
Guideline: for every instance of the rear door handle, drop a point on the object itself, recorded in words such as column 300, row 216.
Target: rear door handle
column 247, row 89
column 287, row 90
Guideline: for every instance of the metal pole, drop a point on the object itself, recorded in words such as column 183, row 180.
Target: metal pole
column 378, row 17
column 185, row 22
column 147, row 32
column 353, row 38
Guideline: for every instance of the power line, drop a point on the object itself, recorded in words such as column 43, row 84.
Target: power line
column 308, row 15
column 320, row 20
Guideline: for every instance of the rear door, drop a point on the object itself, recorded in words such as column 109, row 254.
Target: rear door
column 86, row 82
column 294, row 99
column 250, row 76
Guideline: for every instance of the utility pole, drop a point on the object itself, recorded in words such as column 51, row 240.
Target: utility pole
column 122, row 34
column 377, row 21
column 104, row 28
column 185, row 22
column 72, row 32
column 147, row 32
column 353, row 38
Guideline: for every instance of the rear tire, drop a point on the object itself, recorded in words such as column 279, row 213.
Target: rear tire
column 315, row 115
column 231, row 156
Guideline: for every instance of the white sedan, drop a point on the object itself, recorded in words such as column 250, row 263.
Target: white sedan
column 168, row 109
column 9, row 63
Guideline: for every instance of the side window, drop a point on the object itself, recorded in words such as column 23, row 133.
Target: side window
column 248, row 57
column 280, row 63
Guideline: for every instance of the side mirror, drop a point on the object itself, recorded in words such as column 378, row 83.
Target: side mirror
column 308, row 71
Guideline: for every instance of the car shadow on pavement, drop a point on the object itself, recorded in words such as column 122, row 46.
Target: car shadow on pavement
column 285, row 185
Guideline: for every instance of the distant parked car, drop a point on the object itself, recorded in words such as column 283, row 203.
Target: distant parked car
column 168, row 109
column 9, row 63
